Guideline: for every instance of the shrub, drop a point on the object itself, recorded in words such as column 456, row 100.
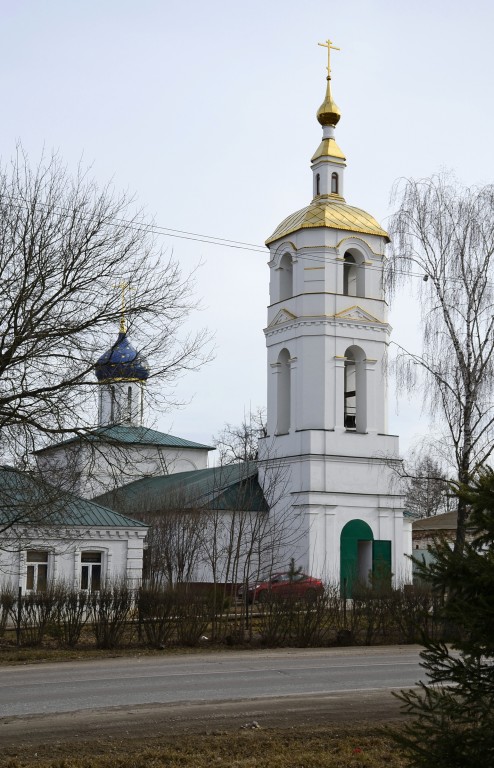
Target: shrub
column 37, row 609
column 193, row 616
column 110, row 610
column 156, row 606
column 70, row 614
column 8, row 601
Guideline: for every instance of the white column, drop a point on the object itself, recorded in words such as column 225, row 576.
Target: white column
column 77, row 569
column 54, row 567
column 272, row 414
column 402, row 566
column 294, row 394
column 22, row 569
column 385, row 527
column 316, row 540
column 339, row 393
column 332, row 564
column 371, row 395
column 109, row 559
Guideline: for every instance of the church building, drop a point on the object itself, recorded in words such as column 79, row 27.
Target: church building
column 325, row 489
column 327, row 336
column 120, row 449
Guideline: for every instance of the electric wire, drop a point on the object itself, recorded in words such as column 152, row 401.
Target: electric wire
column 224, row 242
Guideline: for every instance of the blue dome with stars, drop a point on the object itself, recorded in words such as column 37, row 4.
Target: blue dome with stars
column 122, row 362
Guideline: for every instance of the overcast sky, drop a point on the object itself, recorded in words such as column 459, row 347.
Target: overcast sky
column 206, row 111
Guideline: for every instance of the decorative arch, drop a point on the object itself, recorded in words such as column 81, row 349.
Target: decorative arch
column 353, row 241
column 355, row 390
column 284, row 393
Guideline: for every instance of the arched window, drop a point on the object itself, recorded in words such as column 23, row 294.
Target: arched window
column 318, row 184
column 284, row 393
column 355, row 390
column 285, row 271
column 334, row 183
column 354, row 274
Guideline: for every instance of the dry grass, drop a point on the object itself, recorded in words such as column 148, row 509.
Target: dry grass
column 11, row 655
column 342, row 746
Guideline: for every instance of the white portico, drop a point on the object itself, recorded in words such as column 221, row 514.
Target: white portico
column 327, row 336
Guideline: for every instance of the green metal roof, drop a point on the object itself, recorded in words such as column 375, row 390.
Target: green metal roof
column 28, row 501
column 232, row 487
column 129, row 435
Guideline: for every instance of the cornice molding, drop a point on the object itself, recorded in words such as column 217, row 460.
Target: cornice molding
column 332, row 321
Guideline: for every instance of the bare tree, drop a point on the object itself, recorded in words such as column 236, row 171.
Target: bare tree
column 445, row 232
column 428, row 490
column 239, row 442
column 64, row 243
column 174, row 543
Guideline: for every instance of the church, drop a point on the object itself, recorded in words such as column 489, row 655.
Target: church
column 327, row 472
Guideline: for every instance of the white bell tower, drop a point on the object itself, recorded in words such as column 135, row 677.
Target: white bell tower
column 327, row 336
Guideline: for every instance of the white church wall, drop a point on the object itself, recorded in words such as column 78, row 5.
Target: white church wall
column 245, row 545
column 90, row 469
column 325, row 522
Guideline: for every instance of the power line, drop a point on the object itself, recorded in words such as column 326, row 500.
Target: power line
column 224, row 242
column 194, row 236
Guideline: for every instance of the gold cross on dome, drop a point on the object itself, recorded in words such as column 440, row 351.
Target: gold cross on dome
column 123, row 286
column 329, row 45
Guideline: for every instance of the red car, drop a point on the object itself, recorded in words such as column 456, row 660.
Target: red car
column 283, row 585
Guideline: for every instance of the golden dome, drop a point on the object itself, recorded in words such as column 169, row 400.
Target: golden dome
column 328, row 113
column 332, row 214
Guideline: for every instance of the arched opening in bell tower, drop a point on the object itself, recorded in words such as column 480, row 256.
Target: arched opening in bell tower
column 364, row 561
column 355, row 390
column 355, row 556
column 334, row 183
column 285, row 271
column 354, row 274
column 284, row 393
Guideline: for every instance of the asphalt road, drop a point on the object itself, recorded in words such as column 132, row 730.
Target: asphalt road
column 206, row 678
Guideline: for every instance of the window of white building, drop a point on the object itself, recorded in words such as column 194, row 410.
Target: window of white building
column 91, row 571
column 37, row 570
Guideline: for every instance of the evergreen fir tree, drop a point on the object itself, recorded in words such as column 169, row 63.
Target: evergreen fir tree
column 454, row 709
